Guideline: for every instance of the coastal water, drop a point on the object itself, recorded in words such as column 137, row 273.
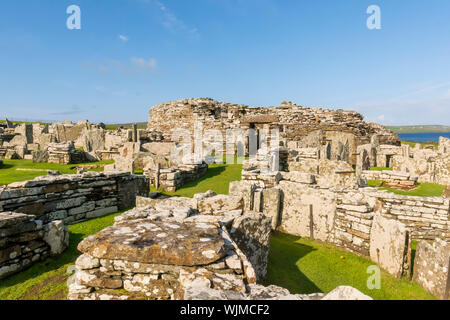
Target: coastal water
column 423, row 136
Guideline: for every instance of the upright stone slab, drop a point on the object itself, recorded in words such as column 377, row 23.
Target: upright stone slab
column 271, row 206
column 245, row 189
column 432, row 268
column 251, row 232
column 219, row 204
column 390, row 245
column 298, row 219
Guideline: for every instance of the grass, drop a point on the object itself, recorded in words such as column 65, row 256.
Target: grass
column 380, row 168
column 10, row 174
column 22, row 122
column 298, row 264
column 46, row 280
column 423, row 189
column 217, row 179
column 140, row 125
column 419, row 128
column 305, row 266
column 412, row 144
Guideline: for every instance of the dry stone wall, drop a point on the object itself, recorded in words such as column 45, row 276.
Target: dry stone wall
column 171, row 179
column 73, row 198
column 166, row 246
column 426, row 217
column 395, row 179
column 25, row 240
column 220, row 115
column 373, row 223
column 428, row 164
column 338, row 131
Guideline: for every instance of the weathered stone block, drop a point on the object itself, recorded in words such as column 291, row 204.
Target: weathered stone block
column 220, row 203
column 251, row 232
column 272, row 205
column 390, row 246
column 432, row 268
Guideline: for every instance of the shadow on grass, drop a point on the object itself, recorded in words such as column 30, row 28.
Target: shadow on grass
column 283, row 271
column 6, row 166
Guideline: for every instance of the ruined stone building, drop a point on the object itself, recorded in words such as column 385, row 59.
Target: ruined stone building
column 337, row 133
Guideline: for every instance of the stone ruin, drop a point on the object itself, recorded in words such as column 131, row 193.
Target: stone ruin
column 418, row 164
column 25, row 240
column 336, row 133
column 394, row 179
column 333, row 206
column 431, row 268
column 171, row 179
column 310, row 189
column 182, row 248
column 34, row 214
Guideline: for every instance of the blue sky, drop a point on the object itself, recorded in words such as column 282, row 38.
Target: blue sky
column 130, row 55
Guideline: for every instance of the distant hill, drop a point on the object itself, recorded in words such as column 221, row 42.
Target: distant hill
column 419, row 128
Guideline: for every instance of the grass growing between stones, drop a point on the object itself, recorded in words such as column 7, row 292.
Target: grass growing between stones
column 10, row 174
column 380, row 168
column 305, row 266
column 46, row 280
column 216, row 179
column 423, row 189
column 412, row 144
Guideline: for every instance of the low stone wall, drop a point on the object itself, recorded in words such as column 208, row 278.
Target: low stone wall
column 395, row 179
column 74, row 198
column 355, row 219
column 64, row 153
column 427, row 218
column 25, row 240
column 432, row 268
column 165, row 247
column 171, row 179
column 353, row 223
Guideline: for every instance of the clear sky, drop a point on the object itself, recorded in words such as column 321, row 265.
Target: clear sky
column 132, row 54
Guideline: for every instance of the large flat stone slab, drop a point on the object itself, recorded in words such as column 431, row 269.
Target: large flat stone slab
column 170, row 243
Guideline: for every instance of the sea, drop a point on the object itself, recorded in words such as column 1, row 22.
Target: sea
column 423, row 136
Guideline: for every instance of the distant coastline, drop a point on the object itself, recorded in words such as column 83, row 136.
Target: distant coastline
column 423, row 136
column 419, row 129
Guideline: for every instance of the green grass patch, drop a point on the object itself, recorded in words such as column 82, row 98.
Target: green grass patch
column 22, row 122
column 305, row 266
column 374, row 183
column 423, row 189
column 46, row 280
column 380, row 168
column 419, row 128
column 412, row 144
column 216, row 179
column 10, row 174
